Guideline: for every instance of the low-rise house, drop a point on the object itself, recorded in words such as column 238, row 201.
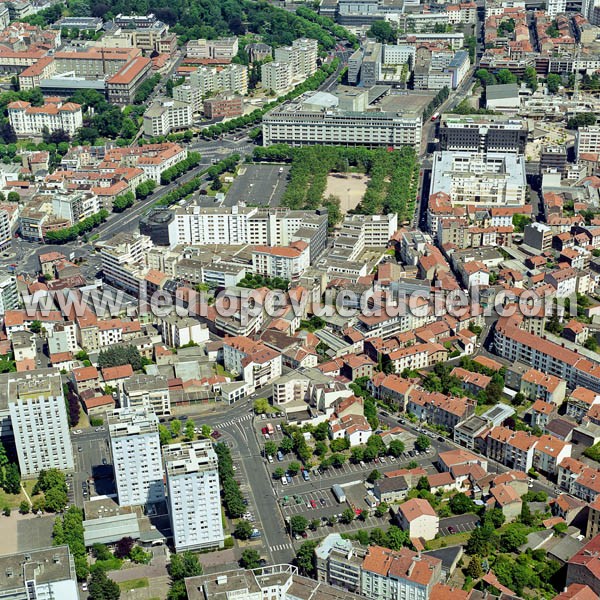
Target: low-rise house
column 85, row 378
column 418, row 518
column 355, row 428
column 580, row 402
column 471, row 382
column 507, row 500
column 541, row 413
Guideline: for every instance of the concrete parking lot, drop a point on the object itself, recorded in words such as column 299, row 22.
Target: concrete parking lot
column 262, row 185
column 458, row 524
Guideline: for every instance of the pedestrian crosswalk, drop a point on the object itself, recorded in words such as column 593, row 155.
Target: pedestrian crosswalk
column 231, row 422
column 281, row 547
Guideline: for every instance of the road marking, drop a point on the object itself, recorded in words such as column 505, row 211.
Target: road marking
column 280, row 547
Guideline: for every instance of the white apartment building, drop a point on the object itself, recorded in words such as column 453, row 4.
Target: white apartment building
column 286, row 262
column 122, row 257
column 194, row 495
column 136, row 455
column 276, row 76
column 555, row 7
column 75, row 206
column 230, row 78
column 587, row 140
column 190, row 95
column 301, row 55
column 165, row 115
column 148, row 392
column 29, row 120
column 300, row 122
column 9, row 294
column 5, row 229
column 226, row 48
column 239, row 225
column 398, row 54
column 479, row 178
column 40, row 424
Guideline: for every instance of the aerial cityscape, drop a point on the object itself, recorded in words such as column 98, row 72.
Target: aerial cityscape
column 299, row 300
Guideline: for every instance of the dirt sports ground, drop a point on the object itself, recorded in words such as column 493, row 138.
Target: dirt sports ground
column 348, row 187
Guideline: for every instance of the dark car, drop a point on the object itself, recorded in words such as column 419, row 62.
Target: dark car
column 451, row 529
column 104, row 461
column 216, row 434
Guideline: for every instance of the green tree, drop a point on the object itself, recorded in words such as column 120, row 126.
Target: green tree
column 24, row 507
column 56, row 499
column 139, row 556
column 184, row 565
column 298, row 524
column 460, row 504
column 382, row 31
column 423, row 484
column 243, row 530
column 279, row 473
column 373, row 476
column 164, row 435
column 286, row 445
column 495, row 516
column 505, row 76
column 513, row 537
column 305, row 558
column 12, row 479
column 270, row 448
column 190, row 427
column 474, row 569
column 422, row 442
column 396, row 538
column 321, row 449
column 553, row 82
column 294, row 468
column 396, row 448
column 262, row 406
column 175, row 427
column 347, row 516
column 101, row 587
column 382, row 510
column 250, row 559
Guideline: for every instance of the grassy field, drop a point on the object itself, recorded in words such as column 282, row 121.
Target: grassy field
column 134, row 584
column 13, row 500
column 449, row 540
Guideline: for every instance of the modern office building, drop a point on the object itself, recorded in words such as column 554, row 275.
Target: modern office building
column 491, row 178
column 194, row 495
column 40, row 424
column 483, row 133
column 136, row 455
column 318, row 118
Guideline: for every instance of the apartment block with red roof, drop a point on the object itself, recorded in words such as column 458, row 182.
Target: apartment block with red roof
column 513, row 449
column 579, row 479
column 388, row 574
column 580, row 401
column 584, row 567
column 535, row 384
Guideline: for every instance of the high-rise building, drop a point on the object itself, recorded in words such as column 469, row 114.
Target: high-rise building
column 194, row 495
column 555, row 7
column 136, row 455
column 40, row 424
column 9, row 295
